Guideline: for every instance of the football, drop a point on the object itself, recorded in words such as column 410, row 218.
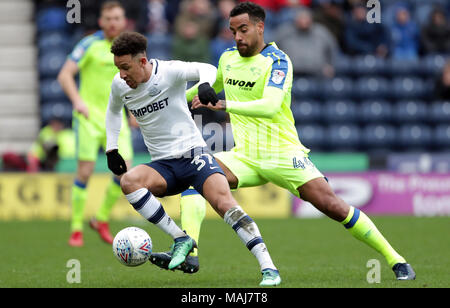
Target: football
column 132, row 246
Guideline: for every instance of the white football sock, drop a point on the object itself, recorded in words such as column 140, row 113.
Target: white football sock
column 151, row 209
column 248, row 232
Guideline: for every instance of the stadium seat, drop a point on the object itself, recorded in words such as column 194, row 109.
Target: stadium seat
column 311, row 135
column 371, row 88
column 442, row 137
column 52, row 18
column 415, row 136
column 51, row 91
column 399, row 67
column 342, row 111
column 375, row 111
column 408, row 88
column 379, row 136
column 62, row 110
column 159, row 46
column 344, row 66
column 337, row 88
column 306, row 88
column 54, row 40
column 432, row 65
column 306, row 111
column 410, row 111
column 369, row 65
column 343, row 137
column 439, row 111
column 51, row 62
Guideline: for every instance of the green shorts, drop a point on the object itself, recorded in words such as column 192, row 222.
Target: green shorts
column 90, row 137
column 289, row 171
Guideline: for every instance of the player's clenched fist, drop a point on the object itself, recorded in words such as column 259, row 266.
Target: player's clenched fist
column 206, row 94
column 115, row 162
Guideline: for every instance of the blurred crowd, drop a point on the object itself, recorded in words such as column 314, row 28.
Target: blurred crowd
column 198, row 29
column 338, row 56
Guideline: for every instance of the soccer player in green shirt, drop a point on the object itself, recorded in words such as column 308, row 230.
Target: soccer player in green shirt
column 257, row 80
column 94, row 61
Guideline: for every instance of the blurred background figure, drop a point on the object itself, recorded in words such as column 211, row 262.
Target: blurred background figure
column 223, row 38
column 157, row 20
column 193, row 31
column 442, row 90
column 363, row 38
column 405, row 35
column 436, row 33
column 54, row 142
column 311, row 47
column 330, row 14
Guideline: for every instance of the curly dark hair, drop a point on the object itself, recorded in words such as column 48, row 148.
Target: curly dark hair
column 254, row 11
column 129, row 43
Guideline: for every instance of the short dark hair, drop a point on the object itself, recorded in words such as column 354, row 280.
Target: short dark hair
column 254, row 11
column 129, row 43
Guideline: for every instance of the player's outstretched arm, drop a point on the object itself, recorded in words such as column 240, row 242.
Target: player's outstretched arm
column 267, row 107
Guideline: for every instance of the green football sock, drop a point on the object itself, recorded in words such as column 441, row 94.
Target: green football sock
column 193, row 209
column 113, row 193
column 361, row 227
column 79, row 196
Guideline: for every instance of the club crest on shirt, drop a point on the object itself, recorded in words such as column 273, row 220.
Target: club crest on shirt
column 153, row 91
column 278, row 76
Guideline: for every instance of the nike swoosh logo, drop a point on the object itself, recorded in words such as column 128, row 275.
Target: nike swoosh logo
column 213, row 168
column 128, row 97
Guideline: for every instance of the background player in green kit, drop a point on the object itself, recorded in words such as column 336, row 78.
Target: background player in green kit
column 257, row 80
column 94, row 61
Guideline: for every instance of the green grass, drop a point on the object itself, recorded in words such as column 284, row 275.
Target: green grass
column 308, row 253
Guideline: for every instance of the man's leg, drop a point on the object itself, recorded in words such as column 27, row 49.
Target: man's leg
column 79, row 196
column 140, row 185
column 217, row 192
column 192, row 212
column 319, row 193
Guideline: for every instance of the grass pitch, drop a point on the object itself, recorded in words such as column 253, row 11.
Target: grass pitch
column 308, row 252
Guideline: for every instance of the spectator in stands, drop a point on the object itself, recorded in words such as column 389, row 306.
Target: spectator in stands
column 172, row 10
column 223, row 38
column 363, row 38
column 404, row 35
column 330, row 14
column 53, row 143
column 193, row 31
column 189, row 45
column 199, row 12
column 224, row 8
column 436, row 34
column 157, row 22
column 442, row 89
column 90, row 14
column 311, row 47
column 221, row 42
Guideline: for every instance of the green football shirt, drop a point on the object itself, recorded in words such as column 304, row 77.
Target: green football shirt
column 97, row 70
column 258, row 95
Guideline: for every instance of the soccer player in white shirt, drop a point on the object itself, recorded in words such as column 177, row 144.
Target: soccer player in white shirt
column 154, row 92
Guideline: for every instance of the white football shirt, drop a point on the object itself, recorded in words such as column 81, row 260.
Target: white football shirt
column 160, row 108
